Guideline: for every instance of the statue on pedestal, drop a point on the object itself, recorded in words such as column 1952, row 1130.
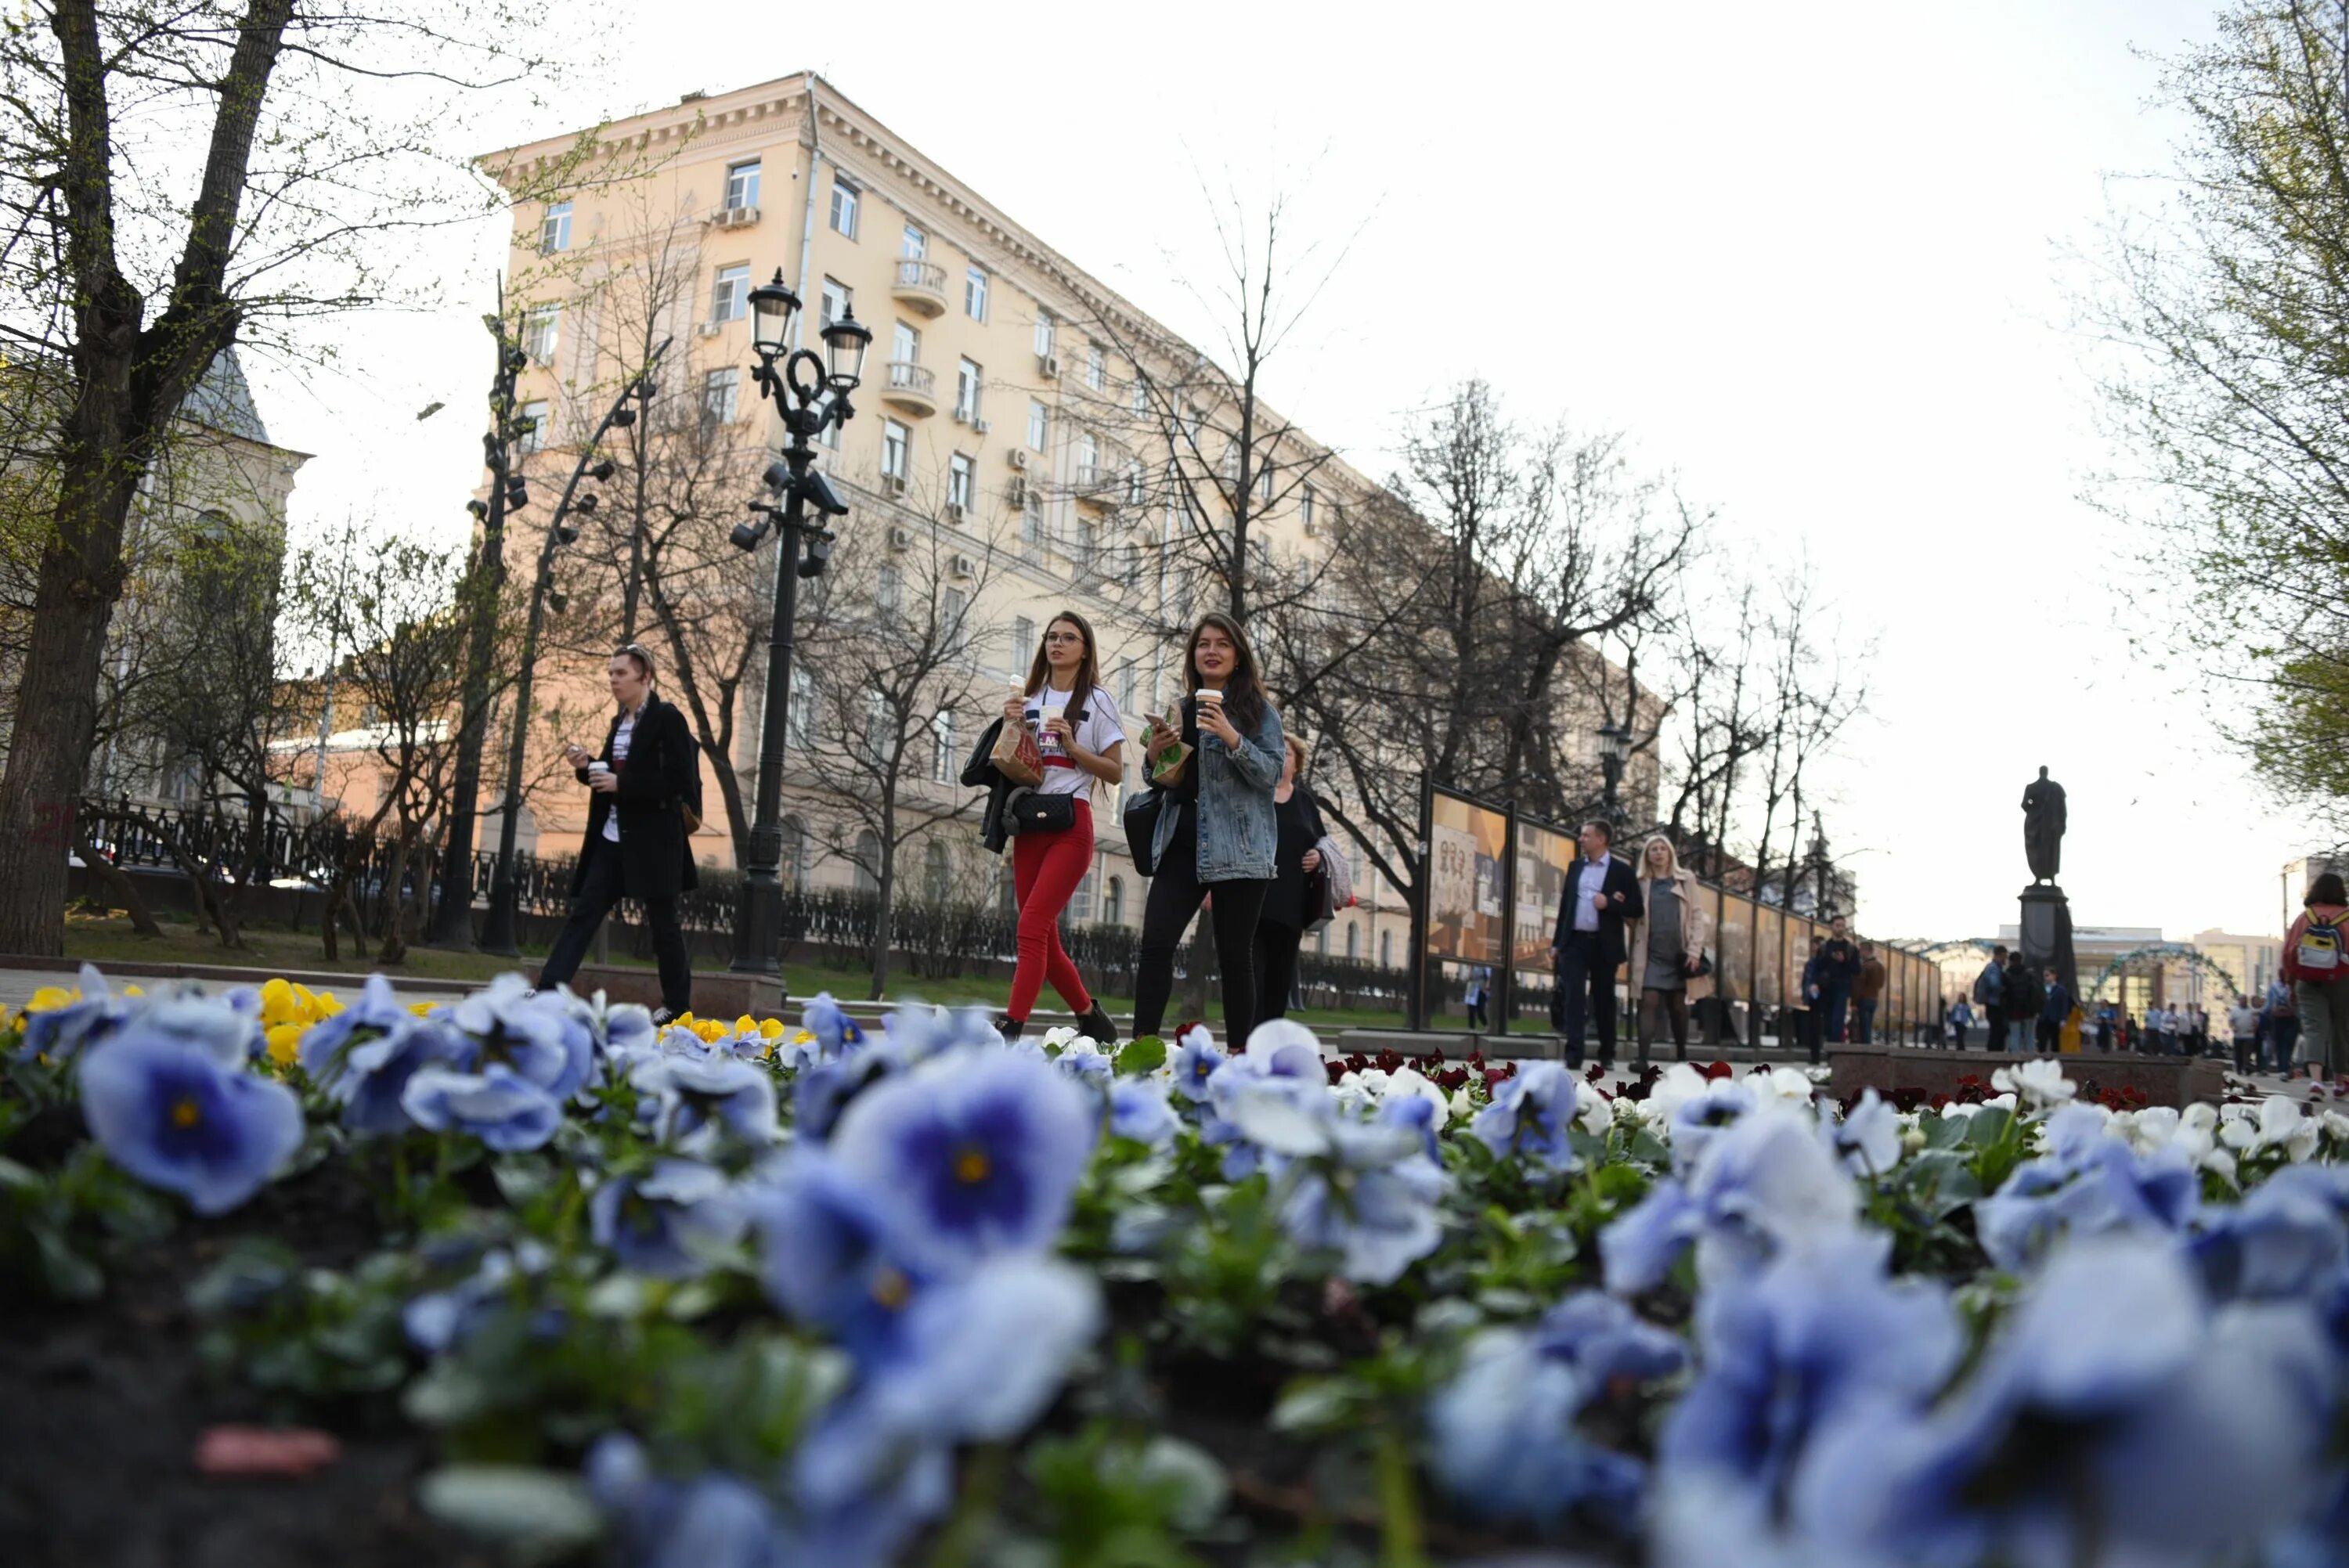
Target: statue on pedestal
column 2043, row 827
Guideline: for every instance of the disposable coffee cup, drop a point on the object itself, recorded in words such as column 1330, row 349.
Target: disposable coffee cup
column 599, row 766
column 1212, row 694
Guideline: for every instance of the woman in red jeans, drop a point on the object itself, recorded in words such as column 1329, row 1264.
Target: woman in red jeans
column 1083, row 743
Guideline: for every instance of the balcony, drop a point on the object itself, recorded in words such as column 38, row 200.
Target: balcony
column 1098, row 489
column 911, row 388
column 921, row 287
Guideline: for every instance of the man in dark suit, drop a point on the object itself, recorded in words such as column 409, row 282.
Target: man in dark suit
column 641, row 785
column 1601, row 894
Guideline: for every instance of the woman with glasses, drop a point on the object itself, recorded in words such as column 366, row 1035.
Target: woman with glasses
column 641, row 787
column 1217, row 829
column 1082, row 741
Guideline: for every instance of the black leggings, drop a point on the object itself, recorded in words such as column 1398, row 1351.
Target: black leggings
column 601, row 888
column 1175, row 894
column 1276, row 967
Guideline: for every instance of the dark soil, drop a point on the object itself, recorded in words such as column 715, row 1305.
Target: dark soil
column 101, row 1405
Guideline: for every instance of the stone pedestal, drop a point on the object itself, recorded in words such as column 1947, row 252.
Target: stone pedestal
column 2177, row 1081
column 716, row 994
column 2047, row 927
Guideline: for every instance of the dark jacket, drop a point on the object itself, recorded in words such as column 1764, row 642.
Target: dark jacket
column 980, row 773
column 2057, row 1006
column 2020, row 998
column 1620, row 879
column 663, row 772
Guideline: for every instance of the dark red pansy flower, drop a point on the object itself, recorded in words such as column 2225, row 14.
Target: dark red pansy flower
column 1716, row 1071
column 1495, row 1076
column 1452, row 1077
column 1336, row 1070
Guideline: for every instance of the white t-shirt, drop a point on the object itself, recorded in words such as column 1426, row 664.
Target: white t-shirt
column 620, row 739
column 1100, row 729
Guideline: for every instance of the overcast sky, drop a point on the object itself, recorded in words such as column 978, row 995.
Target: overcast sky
column 1816, row 258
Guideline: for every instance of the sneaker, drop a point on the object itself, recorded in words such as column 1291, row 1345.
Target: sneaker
column 1096, row 1025
column 663, row 1017
column 1009, row 1028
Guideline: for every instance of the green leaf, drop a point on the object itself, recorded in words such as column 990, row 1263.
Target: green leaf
column 1944, row 1132
column 1987, row 1126
column 1195, row 1482
column 1138, row 1057
column 536, row 1513
column 1320, row 1405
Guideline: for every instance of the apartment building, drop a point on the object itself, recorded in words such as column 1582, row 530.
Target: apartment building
column 1020, row 444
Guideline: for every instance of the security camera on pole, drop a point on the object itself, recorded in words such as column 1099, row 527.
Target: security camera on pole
column 811, row 393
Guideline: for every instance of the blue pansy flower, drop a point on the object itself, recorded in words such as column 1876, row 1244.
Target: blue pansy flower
column 2117, row 1418
column 1529, row 1116
column 1867, row 1138
column 173, row 1115
column 1763, row 1184
column 1413, row 1113
column 1259, row 1116
column 1138, row 1109
column 834, row 1029
column 691, row 1101
column 673, row 1221
column 1609, row 1343
column 2088, row 1184
column 363, row 1056
column 499, row 1106
column 1286, row 1049
column 714, row 1520
column 1820, row 1334
column 1505, row 1444
column 823, row 1255
column 2285, row 1241
column 1369, row 1194
column 822, row 1092
column 57, row 1033
column 1196, row 1061
column 436, row 1319
column 1086, row 1066
column 1698, row 1118
column 536, row 1035
column 971, row 1153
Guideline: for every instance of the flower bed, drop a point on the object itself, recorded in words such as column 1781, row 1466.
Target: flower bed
column 524, row 1277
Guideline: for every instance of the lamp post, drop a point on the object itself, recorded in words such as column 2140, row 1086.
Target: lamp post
column 810, row 393
column 498, row 930
column 1614, row 751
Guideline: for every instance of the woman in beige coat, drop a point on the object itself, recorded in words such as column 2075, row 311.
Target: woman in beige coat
column 1668, row 943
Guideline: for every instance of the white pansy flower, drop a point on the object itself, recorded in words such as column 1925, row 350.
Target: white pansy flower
column 1789, row 1084
column 1463, row 1102
column 1593, row 1112
column 1679, row 1084
column 2040, row 1082
column 1059, row 1037
column 1408, row 1082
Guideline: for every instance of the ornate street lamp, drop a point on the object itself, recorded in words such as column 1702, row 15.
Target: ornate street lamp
column 811, row 393
column 1614, row 751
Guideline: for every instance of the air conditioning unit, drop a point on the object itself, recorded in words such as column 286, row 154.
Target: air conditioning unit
column 738, row 217
column 1047, row 365
column 961, row 566
column 954, row 511
column 900, row 537
column 893, row 484
column 1019, row 459
column 981, row 427
column 709, row 329
column 1016, row 494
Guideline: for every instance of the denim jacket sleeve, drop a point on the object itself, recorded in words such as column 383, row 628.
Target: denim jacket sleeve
column 1257, row 757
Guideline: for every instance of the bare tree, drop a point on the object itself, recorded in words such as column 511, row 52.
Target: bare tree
column 892, row 645
column 1816, row 688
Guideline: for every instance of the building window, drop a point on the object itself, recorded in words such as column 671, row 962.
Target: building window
column 955, row 606
column 916, row 246
column 887, row 590
column 802, row 728
column 906, row 346
column 878, row 739
column 961, row 473
column 531, row 422
column 834, row 302
column 1133, row 489
column 1138, row 399
column 1044, row 335
column 1354, row 940
column 1088, row 459
column 967, row 379
column 1386, row 949
column 742, row 185
column 974, row 295
column 1096, row 367
column 795, row 852
column 1039, row 424
column 938, row 875
column 554, row 231
column 1080, row 906
column 893, row 448
column 720, row 391
column 1023, row 645
column 1031, row 521
column 541, row 330
column 942, row 739
column 867, row 860
column 1114, row 902
column 729, row 295
column 1305, row 507
column 844, row 207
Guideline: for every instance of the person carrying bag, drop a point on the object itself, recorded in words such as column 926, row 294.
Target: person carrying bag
column 1067, row 724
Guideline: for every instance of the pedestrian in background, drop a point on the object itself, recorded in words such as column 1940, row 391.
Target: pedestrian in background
column 2243, row 1023
column 1808, row 1011
column 1989, row 996
column 1962, row 1019
column 2021, row 1002
column 2105, row 1023
column 2314, row 963
column 1868, row 992
column 1476, row 997
column 1281, row 927
column 1588, row 946
column 2283, row 1026
column 1838, row 973
column 2054, row 1011
column 1667, row 945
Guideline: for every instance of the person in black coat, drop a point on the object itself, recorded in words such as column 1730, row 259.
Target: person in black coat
column 640, row 786
column 1280, row 925
column 1601, row 894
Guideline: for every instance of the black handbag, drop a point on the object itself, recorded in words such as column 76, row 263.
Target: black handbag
column 1142, row 809
column 1033, row 811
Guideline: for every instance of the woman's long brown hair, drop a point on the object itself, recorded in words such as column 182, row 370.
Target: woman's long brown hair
column 1088, row 671
column 1244, row 702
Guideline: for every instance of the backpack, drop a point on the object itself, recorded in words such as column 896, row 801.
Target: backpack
column 2319, row 948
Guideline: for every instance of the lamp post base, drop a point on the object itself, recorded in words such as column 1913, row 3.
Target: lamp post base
column 759, row 931
column 499, row 928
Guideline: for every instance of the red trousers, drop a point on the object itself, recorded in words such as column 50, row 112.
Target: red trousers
column 1045, row 870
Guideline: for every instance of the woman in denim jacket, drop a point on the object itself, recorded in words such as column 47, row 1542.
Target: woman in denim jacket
column 1216, row 830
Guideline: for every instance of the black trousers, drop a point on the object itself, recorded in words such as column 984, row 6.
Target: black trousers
column 1275, row 965
column 1997, row 1022
column 599, row 890
column 1175, row 892
column 1586, row 989
column 1476, row 1015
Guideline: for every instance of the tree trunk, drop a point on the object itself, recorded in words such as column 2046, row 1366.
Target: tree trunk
column 395, row 939
column 883, row 922
column 117, row 882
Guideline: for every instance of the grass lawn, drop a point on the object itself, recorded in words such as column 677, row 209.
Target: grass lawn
column 108, row 939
